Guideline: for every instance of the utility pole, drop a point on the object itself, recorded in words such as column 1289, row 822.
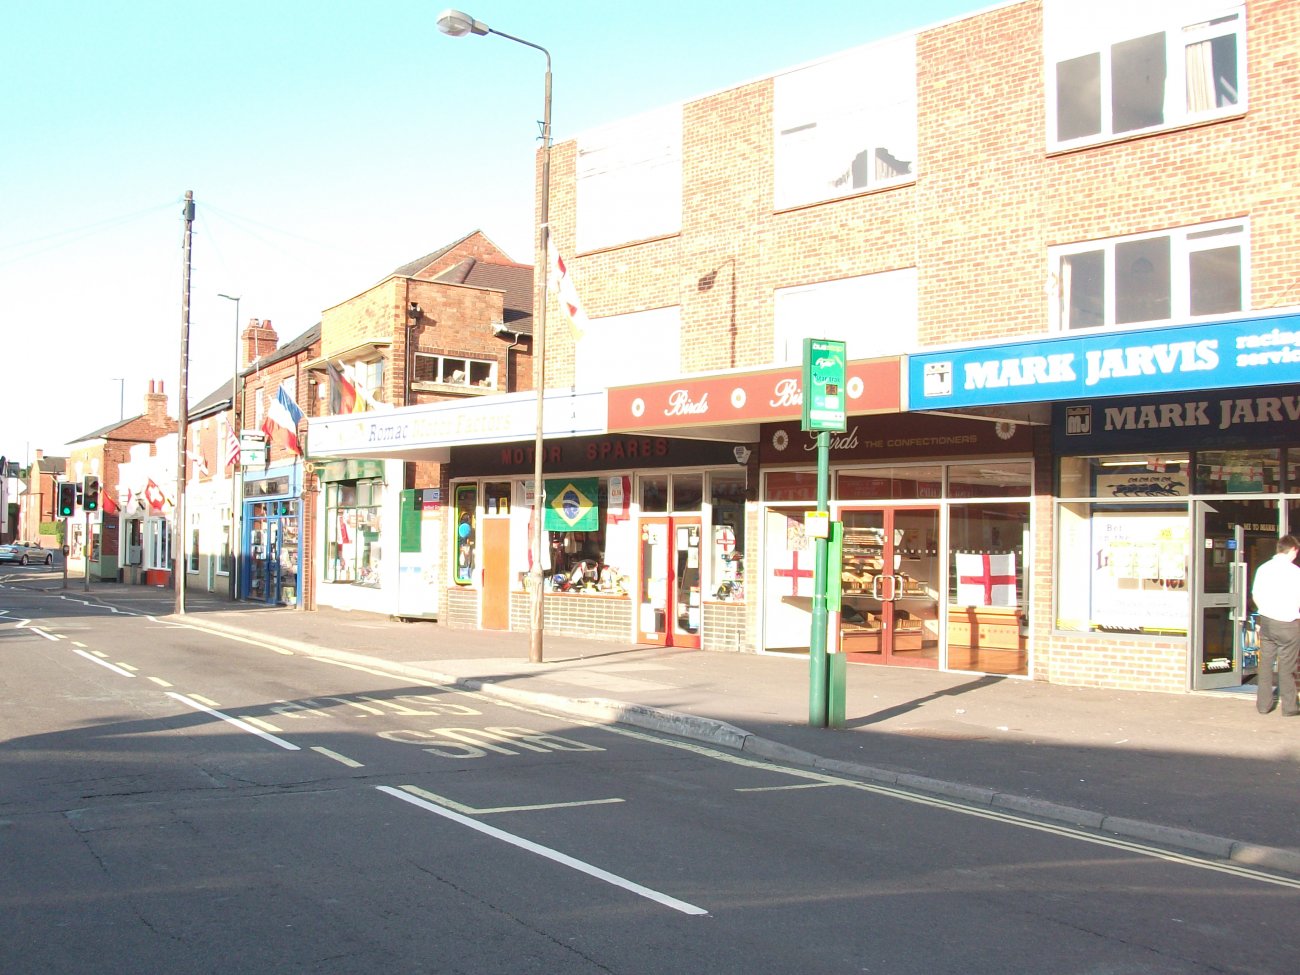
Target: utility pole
column 179, row 558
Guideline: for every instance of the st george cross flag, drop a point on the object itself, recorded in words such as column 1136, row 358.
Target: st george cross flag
column 986, row 580
column 283, row 412
column 232, row 442
column 567, row 293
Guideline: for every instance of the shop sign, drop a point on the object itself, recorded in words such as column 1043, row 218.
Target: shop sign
column 571, row 504
column 591, row 454
column 893, row 437
column 870, row 386
column 823, row 381
column 1255, row 351
column 1229, row 418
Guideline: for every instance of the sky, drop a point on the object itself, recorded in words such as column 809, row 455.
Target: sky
column 325, row 145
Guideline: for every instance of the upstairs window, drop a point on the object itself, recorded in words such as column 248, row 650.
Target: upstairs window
column 875, row 314
column 1116, row 67
column 1172, row 275
column 846, row 125
column 621, row 350
column 629, row 180
column 450, row 370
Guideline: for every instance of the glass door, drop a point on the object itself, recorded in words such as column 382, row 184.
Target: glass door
column 1232, row 539
column 891, row 583
column 669, row 607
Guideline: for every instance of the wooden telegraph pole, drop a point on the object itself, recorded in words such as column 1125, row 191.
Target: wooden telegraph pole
column 179, row 558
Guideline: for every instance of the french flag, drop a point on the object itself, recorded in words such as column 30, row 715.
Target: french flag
column 284, row 413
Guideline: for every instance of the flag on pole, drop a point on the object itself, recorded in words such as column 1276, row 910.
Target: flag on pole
column 562, row 283
column 365, row 395
column 343, row 393
column 284, row 413
column 232, row 442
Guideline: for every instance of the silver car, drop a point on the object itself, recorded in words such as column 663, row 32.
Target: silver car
column 25, row 552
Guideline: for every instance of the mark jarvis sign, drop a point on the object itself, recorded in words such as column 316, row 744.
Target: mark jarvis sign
column 1215, row 355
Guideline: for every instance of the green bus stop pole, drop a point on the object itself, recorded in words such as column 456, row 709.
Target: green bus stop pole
column 817, row 663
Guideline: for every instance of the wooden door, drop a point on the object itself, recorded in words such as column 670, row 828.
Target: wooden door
column 494, row 539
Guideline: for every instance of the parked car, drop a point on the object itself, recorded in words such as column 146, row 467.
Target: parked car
column 25, row 552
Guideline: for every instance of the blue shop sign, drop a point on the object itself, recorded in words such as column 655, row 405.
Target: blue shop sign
column 1246, row 352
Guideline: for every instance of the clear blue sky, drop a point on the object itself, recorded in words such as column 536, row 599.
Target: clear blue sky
column 326, row 144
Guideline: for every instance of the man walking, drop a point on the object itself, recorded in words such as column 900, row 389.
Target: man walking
column 1277, row 598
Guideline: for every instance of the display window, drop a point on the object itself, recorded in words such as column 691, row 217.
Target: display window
column 353, row 523
column 465, row 539
column 727, row 535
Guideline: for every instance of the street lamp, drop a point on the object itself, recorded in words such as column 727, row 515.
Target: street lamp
column 455, row 23
column 234, row 481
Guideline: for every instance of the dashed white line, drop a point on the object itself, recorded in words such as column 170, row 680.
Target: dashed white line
column 205, row 700
column 547, row 852
column 242, row 725
column 259, row 723
column 103, row 663
column 39, row 632
column 160, row 682
column 341, row 759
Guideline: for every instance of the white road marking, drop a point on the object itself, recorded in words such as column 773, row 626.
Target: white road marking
column 39, row 632
column 788, row 788
column 99, row 653
column 547, row 852
column 126, row 666
column 103, row 663
column 342, row 759
column 205, row 700
column 242, row 725
column 78, row 643
column 471, row 811
column 160, row 682
column 230, row 636
column 259, row 723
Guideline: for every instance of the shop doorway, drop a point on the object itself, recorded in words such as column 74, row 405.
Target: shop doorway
column 495, row 541
column 669, row 575
column 1232, row 538
column 891, row 583
column 271, row 573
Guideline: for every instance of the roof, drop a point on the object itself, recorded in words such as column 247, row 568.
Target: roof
column 516, row 280
column 291, row 348
column 216, row 401
column 52, row 465
column 105, row 431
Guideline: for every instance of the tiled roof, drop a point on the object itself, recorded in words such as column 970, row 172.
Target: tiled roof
column 304, row 341
column 105, row 431
column 52, row 465
column 516, row 280
column 412, row 268
column 215, row 401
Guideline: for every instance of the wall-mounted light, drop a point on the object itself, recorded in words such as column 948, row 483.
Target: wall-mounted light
column 415, row 312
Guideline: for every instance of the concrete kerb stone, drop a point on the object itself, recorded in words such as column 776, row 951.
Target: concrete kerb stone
column 721, row 734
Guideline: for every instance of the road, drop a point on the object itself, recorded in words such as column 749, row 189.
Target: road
column 172, row 800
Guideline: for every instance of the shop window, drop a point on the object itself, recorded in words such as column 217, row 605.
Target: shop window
column 580, row 559
column 223, row 559
column 629, row 180
column 1238, row 471
column 988, row 597
column 1175, row 274
column 1116, row 67
column 876, row 314
column 455, row 370
column 891, row 483
column 790, row 486
column 353, row 522
column 466, row 535
column 845, row 125
column 496, row 498
column 727, row 518
column 1125, row 476
column 654, row 492
column 688, row 492
column 990, row 479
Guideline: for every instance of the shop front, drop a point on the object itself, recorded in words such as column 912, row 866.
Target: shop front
column 1176, row 466
column 936, row 519
column 272, row 543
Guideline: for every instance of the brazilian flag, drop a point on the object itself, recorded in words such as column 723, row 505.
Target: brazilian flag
column 572, row 505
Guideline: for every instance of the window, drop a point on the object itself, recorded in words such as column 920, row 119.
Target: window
column 466, row 538
column 727, row 510
column 1176, row 274
column 370, row 380
column 623, row 349
column 629, row 180
column 1116, row 67
column 353, row 512
column 874, row 314
column 455, row 370
column 193, row 560
column 845, row 125
column 223, row 560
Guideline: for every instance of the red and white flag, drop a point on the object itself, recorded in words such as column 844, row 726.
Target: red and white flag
column 561, row 282
column 232, row 442
column 154, row 495
column 985, row 579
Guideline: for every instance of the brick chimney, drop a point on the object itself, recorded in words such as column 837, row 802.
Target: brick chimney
column 155, row 403
column 259, row 340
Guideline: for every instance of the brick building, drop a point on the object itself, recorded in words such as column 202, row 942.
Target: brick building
column 1058, row 240
column 38, row 498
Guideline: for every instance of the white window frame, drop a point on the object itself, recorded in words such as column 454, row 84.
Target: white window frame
column 226, row 552
column 875, row 314
column 838, row 125
column 1183, row 242
column 194, row 545
column 444, row 370
column 1073, row 30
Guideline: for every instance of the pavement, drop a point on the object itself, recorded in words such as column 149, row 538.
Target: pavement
column 1198, row 772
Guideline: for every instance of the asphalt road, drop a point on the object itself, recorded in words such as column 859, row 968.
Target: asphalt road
column 171, row 800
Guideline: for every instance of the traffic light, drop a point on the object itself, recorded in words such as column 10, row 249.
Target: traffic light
column 90, row 493
column 67, row 498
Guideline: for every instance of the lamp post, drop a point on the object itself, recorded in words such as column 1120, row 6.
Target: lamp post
column 234, row 480
column 455, row 23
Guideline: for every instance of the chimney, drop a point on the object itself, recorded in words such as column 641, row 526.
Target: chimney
column 155, row 404
column 259, row 339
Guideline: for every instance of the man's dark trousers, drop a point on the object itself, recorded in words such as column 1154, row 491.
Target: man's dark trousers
column 1279, row 644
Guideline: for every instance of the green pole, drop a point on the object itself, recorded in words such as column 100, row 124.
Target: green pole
column 817, row 662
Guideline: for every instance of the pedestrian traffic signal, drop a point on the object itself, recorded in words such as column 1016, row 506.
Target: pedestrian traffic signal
column 67, row 498
column 90, row 493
